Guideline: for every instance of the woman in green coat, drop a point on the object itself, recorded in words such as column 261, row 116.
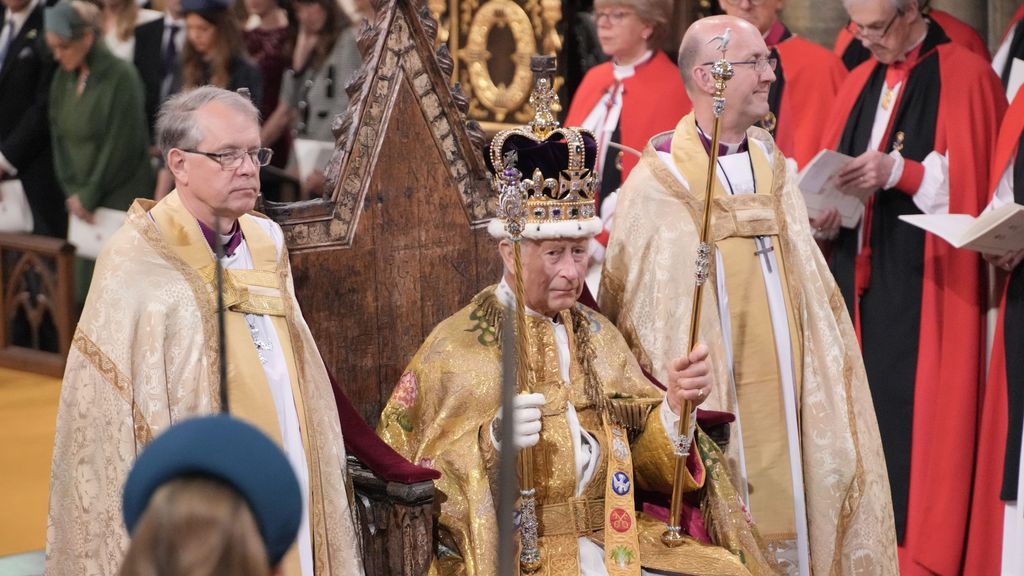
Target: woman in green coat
column 97, row 121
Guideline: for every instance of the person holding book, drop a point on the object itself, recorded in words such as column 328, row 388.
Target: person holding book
column 920, row 121
column 997, row 524
column 98, row 128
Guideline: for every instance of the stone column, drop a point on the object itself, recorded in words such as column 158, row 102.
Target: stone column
column 999, row 14
column 974, row 13
column 816, row 20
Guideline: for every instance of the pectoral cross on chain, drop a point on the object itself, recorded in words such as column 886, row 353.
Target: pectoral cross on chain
column 764, row 249
column 262, row 345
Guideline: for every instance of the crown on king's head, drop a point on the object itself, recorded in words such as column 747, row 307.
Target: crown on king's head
column 543, row 174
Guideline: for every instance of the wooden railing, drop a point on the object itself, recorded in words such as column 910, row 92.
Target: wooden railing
column 37, row 303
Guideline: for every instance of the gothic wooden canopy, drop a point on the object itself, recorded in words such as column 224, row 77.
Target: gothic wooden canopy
column 399, row 244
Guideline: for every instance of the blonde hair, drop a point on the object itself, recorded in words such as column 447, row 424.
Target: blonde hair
column 655, row 13
column 196, row 526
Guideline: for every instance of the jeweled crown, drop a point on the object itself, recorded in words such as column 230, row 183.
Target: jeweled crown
column 556, row 198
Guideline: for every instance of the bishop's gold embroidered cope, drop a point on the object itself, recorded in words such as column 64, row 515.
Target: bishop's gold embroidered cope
column 647, row 291
column 440, row 413
column 145, row 356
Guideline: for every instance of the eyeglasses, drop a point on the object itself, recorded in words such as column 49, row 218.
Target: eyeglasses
column 760, row 65
column 738, row 2
column 872, row 32
column 614, row 16
column 232, row 159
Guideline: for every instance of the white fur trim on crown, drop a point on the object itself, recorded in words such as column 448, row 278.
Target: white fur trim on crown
column 549, row 230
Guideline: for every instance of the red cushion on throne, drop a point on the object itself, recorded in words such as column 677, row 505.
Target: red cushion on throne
column 363, row 443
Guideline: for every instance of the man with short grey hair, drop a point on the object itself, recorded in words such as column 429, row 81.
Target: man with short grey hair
column 920, row 121
column 146, row 354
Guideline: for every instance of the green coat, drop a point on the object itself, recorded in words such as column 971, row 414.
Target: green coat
column 101, row 139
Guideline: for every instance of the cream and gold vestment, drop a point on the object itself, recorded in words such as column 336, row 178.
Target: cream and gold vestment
column 145, row 356
column 440, row 414
column 647, row 291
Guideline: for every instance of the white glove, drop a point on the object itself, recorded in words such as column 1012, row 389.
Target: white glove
column 525, row 421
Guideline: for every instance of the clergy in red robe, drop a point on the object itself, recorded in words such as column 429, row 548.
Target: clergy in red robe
column 807, row 78
column 920, row 118
column 997, row 522
column 853, row 52
column 1010, row 55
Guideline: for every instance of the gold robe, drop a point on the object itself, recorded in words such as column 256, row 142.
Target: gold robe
column 647, row 291
column 439, row 416
column 145, row 356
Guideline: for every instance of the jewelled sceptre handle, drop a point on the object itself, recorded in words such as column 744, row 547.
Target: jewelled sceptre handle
column 722, row 72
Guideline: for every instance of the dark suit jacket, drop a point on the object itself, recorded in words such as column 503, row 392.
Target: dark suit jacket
column 149, row 62
column 24, row 126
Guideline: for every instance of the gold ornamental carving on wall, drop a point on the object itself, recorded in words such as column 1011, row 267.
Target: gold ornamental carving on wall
column 492, row 42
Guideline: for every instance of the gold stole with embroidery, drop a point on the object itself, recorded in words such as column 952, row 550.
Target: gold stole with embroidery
column 736, row 221
column 555, row 470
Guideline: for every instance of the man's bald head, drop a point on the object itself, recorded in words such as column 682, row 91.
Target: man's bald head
column 697, row 48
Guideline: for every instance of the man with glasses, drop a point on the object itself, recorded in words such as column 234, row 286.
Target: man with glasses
column 920, row 120
column 849, row 47
column 806, row 80
column 783, row 355
column 146, row 354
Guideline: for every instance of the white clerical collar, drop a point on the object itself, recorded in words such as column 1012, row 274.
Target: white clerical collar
column 507, row 297
column 623, row 71
column 731, row 148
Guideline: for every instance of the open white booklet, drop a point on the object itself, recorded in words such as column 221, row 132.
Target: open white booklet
column 311, row 155
column 997, row 231
column 817, row 182
column 90, row 238
column 15, row 214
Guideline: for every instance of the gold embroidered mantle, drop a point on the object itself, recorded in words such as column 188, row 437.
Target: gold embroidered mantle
column 439, row 416
column 144, row 356
column 647, row 290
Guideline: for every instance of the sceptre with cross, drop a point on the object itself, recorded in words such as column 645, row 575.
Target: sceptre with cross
column 722, row 71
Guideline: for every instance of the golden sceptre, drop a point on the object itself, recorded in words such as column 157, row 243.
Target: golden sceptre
column 722, row 72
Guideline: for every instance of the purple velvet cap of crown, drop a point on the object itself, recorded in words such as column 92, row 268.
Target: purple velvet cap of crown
column 550, row 156
column 560, row 203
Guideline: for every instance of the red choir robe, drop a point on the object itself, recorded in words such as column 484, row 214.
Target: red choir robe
column 653, row 101
column 940, row 304
column 801, row 98
column 854, row 53
column 998, row 455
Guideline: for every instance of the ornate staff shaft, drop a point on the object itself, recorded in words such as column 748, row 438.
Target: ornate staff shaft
column 722, row 71
column 529, row 554
column 512, row 205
